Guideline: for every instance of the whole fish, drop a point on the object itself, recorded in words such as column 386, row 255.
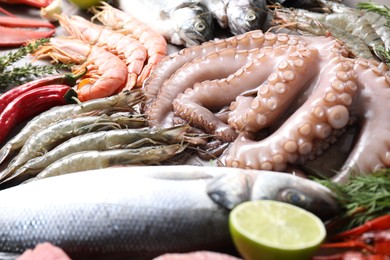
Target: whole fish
column 181, row 22
column 143, row 212
column 246, row 15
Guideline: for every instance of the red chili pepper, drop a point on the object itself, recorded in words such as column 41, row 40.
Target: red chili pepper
column 64, row 79
column 32, row 103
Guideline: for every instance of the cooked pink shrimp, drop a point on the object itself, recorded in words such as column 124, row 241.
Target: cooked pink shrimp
column 106, row 75
column 153, row 41
column 130, row 50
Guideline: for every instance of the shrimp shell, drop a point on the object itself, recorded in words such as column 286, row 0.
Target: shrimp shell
column 90, row 160
column 153, row 41
column 48, row 138
column 107, row 73
column 101, row 141
column 299, row 19
column 124, row 46
column 124, row 99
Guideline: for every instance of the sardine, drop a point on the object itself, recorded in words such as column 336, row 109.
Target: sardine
column 143, row 212
column 181, row 22
column 246, row 15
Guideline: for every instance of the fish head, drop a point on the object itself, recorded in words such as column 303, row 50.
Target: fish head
column 299, row 191
column 245, row 16
column 232, row 189
column 194, row 23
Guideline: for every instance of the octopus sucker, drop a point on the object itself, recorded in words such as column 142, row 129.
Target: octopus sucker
column 274, row 95
column 371, row 151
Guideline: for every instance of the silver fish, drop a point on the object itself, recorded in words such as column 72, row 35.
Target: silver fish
column 246, row 15
column 137, row 212
column 218, row 9
column 181, row 22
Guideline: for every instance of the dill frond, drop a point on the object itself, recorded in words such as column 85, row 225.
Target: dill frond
column 365, row 196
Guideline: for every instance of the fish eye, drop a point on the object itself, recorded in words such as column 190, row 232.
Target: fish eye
column 294, row 197
column 250, row 17
column 200, row 26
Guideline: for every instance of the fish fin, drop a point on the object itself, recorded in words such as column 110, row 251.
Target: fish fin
column 230, row 190
column 8, row 256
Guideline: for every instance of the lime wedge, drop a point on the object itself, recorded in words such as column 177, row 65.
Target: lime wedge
column 267, row 229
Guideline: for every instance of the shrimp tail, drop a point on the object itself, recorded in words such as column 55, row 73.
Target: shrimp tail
column 5, row 152
column 145, row 74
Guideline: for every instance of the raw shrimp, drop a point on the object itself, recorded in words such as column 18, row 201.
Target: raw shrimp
column 48, row 138
column 299, row 19
column 101, row 141
column 356, row 25
column 125, row 99
column 107, row 73
column 90, row 160
column 130, row 50
column 153, row 41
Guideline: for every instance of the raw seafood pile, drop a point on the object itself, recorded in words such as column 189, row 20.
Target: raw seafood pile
column 274, row 100
column 304, row 91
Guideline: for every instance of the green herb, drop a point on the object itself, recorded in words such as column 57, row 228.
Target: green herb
column 19, row 75
column 382, row 53
column 365, row 197
column 15, row 75
column 376, row 8
column 14, row 56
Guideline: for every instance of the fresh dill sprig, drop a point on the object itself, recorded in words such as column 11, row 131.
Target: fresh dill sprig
column 20, row 75
column 365, row 196
column 13, row 56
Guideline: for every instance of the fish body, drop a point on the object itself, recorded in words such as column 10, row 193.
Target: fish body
column 246, row 15
column 140, row 212
column 185, row 23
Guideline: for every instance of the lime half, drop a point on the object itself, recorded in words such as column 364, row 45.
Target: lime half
column 267, row 229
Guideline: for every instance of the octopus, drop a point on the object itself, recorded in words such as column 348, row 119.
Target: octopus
column 277, row 100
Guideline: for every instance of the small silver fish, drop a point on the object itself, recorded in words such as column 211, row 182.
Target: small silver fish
column 181, row 22
column 143, row 212
column 246, row 15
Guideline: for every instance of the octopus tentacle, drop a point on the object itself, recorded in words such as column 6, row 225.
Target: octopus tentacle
column 196, row 105
column 170, row 64
column 167, row 66
column 277, row 92
column 325, row 110
column 211, row 66
column 372, row 150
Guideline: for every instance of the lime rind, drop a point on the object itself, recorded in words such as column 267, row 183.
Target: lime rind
column 283, row 236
